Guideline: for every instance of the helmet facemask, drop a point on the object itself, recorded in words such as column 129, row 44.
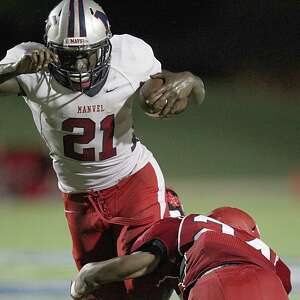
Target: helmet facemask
column 81, row 69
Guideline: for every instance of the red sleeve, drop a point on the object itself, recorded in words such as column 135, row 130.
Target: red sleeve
column 284, row 274
column 165, row 231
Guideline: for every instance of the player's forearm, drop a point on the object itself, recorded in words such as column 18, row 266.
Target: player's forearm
column 8, row 71
column 119, row 268
column 116, row 269
column 198, row 92
column 93, row 275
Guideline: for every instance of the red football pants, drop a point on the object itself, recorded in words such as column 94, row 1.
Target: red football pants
column 242, row 282
column 104, row 224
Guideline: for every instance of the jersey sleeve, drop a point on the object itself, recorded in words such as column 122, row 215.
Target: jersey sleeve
column 162, row 234
column 26, row 81
column 155, row 247
column 134, row 58
column 284, row 274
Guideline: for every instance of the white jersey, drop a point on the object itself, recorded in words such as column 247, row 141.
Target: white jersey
column 91, row 139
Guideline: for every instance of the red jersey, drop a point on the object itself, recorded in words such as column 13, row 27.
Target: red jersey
column 206, row 243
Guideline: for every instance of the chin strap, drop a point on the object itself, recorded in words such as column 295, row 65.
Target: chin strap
column 94, row 90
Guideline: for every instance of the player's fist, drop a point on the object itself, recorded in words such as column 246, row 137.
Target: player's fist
column 35, row 61
column 84, row 283
column 78, row 292
column 146, row 90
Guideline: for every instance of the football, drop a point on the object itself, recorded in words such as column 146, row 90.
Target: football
column 149, row 87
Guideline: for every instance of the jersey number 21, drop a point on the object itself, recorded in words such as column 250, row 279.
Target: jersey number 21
column 107, row 125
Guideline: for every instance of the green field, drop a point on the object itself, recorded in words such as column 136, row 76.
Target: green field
column 40, row 225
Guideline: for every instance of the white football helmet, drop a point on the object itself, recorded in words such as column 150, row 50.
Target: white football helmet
column 78, row 31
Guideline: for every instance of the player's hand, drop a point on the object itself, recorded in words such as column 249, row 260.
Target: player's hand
column 83, row 285
column 79, row 290
column 172, row 97
column 35, row 61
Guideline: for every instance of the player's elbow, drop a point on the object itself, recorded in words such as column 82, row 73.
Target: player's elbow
column 9, row 87
column 198, row 92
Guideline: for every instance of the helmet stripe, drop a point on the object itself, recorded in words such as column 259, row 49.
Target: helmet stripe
column 102, row 16
column 71, row 19
column 81, row 18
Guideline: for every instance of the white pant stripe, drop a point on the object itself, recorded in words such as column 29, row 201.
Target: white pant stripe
column 161, row 186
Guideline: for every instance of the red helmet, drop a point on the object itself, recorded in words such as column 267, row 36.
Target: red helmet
column 236, row 218
column 174, row 203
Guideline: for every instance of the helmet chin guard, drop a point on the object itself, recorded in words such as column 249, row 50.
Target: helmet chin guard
column 79, row 31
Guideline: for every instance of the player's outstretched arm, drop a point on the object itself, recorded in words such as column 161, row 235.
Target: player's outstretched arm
column 92, row 275
column 178, row 91
column 31, row 62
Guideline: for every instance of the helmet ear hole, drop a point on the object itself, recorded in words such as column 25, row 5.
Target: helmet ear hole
column 92, row 12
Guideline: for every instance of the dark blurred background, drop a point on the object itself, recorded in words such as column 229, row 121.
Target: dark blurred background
column 246, row 52
column 215, row 38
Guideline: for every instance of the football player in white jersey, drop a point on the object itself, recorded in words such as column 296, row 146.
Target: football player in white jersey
column 80, row 87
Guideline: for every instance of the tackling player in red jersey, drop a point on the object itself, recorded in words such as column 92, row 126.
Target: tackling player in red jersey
column 221, row 257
